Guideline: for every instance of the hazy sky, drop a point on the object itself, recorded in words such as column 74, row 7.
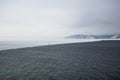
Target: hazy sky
column 51, row 19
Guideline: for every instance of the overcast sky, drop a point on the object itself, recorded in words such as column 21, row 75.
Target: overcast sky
column 46, row 19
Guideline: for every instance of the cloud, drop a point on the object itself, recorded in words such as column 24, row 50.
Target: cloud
column 58, row 18
column 100, row 14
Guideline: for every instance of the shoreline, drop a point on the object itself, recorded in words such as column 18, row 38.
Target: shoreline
column 35, row 44
column 74, row 61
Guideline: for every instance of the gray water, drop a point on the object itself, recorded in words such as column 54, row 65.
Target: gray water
column 4, row 45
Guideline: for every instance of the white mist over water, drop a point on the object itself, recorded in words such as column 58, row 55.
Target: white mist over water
column 4, row 45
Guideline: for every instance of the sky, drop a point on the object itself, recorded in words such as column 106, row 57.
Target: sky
column 54, row 19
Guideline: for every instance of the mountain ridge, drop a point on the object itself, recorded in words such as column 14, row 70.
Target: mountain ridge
column 104, row 36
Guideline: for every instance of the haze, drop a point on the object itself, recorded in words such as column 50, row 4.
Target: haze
column 54, row 19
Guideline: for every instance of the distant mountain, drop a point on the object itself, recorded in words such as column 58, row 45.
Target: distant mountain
column 78, row 36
